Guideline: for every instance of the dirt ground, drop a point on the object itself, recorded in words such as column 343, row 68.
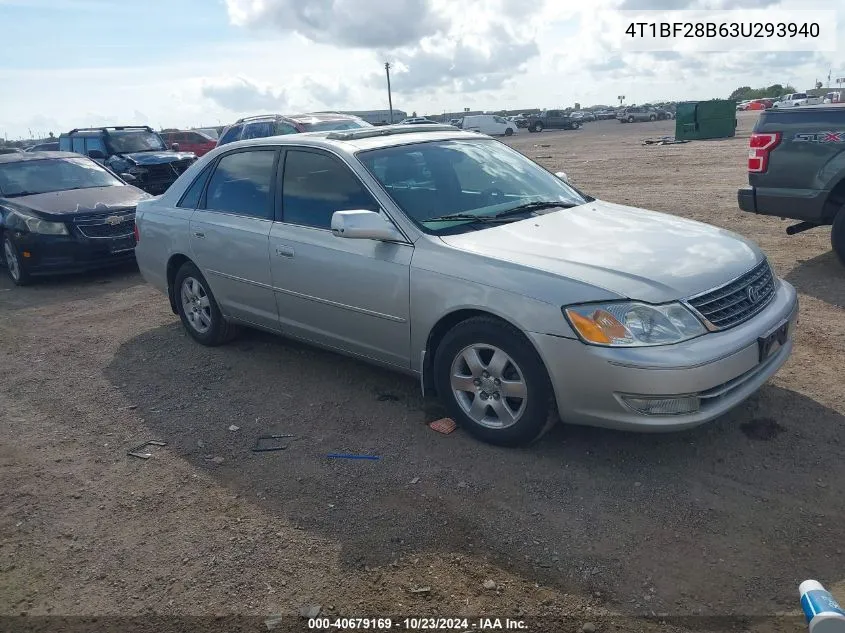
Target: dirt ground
column 592, row 525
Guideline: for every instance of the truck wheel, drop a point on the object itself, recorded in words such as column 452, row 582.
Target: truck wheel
column 538, row 127
column 576, row 125
column 630, row 118
column 837, row 235
column 652, row 117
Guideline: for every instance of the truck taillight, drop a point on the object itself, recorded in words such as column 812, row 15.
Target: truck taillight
column 137, row 234
column 759, row 147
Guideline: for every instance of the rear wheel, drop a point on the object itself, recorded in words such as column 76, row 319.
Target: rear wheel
column 576, row 125
column 508, row 132
column 493, row 382
column 538, row 127
column 15, row 266
column 630, row 119
column 198, row 309
column 837, row 235
column 652, row 117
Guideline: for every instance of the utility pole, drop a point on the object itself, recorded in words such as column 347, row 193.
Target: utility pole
column 389, row 96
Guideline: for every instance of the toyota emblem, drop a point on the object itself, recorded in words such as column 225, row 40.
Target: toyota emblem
column 753, row 294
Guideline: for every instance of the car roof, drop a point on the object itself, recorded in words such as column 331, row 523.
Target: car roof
column 20, row 157
column 365, row 138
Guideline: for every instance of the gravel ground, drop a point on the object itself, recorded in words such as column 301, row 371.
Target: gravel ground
column 723, row 520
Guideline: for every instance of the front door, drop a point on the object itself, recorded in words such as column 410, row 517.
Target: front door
column 230, row 233
column 351, row 294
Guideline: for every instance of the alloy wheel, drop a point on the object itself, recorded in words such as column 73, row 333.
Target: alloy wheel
column 196, row 305
column 489, row 386
column 11, row 258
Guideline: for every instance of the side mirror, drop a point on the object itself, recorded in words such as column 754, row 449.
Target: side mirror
column 363, row 225
column 96, row 154
column 562, row 175
column 128, row 178
column 175, row 147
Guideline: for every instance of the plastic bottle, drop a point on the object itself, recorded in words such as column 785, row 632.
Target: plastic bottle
column 823, row 613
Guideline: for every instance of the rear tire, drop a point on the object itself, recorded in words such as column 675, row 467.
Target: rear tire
column 15, row 266
column 198, row 309
column 508, row 132
column 630, row 119
column 652, row 118
column 538, row 127
column 837, row 235
column 475, row 393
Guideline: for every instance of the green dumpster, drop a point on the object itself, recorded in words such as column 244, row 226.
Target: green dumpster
column 695, row 120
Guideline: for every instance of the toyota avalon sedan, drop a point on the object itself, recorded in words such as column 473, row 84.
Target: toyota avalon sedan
column 453, row 258
column 62, row 212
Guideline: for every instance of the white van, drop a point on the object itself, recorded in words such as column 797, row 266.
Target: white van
column 491, row 124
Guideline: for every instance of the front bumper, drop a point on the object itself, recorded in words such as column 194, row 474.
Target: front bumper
column 60, row 254
column 720, row 368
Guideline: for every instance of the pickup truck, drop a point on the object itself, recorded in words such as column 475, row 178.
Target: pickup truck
column 796, row 99
column 552, row 119
column 796, row 169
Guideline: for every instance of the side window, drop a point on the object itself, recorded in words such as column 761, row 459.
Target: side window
column 257, row 130
column 64, row 144
column 553, row 113
column 191, row 197
column 315, row 186
column 94, row 142
column 280, row 127
column 231, row 135
column 241, row 184
column 79, row 144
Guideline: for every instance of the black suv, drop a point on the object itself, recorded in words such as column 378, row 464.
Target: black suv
column 136, row 153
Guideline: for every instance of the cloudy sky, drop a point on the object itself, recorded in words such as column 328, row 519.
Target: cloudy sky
column 180, row 63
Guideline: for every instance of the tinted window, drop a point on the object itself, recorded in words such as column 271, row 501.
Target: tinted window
column 257, row 130
column 315, row 186
column 94, row 142
column 232, row 134
column 78, row 144
column 553, row 113
column 241, row 184
column 284, row 128
column 64, row 144
column 191, row 197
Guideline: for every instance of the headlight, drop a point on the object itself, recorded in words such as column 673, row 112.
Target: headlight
column 37, row 225
column 632, row 324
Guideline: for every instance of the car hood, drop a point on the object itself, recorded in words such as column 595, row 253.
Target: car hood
column 158, row 158
column 60, row 204
column 634, row 253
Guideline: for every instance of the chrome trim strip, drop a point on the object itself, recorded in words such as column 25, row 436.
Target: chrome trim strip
column 336, row 304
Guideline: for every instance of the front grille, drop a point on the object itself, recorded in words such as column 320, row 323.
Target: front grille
column 167, row 172
column 738, row 301
column 106, row 225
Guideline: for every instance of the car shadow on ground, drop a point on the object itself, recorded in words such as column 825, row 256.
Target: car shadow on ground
column 686, row 514
column 822, row 277
column 53, row 289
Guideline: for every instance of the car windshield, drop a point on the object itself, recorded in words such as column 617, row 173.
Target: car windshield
column 479, row 180
column 337, row 124
column 29, row 177
column 129, row 141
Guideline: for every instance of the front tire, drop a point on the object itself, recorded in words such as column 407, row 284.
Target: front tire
column 538, row 127
column 837, row 235
column 15, row 267
column 493, row 382
column 652, row 118
column 198, row 309
column 508, row 132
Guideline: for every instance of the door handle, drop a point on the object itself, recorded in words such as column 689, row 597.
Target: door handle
column 199, row 234
column 284, row 251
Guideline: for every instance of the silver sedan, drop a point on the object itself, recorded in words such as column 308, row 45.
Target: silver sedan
column 453, row 258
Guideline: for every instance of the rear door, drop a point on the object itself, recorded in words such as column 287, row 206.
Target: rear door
column 230, row 231
column 349, row 294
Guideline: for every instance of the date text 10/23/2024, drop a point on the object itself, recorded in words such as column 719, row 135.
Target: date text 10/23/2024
column 417, row 624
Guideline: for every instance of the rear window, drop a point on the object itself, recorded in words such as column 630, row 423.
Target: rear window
column 799, row 95
column 230, row 135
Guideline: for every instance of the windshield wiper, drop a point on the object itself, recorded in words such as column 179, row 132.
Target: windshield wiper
column 466, row 216
column 535, row 206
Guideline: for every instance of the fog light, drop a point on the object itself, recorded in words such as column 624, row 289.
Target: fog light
column 662, row 405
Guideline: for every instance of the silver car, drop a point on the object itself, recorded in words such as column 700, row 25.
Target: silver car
column 451, row 257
